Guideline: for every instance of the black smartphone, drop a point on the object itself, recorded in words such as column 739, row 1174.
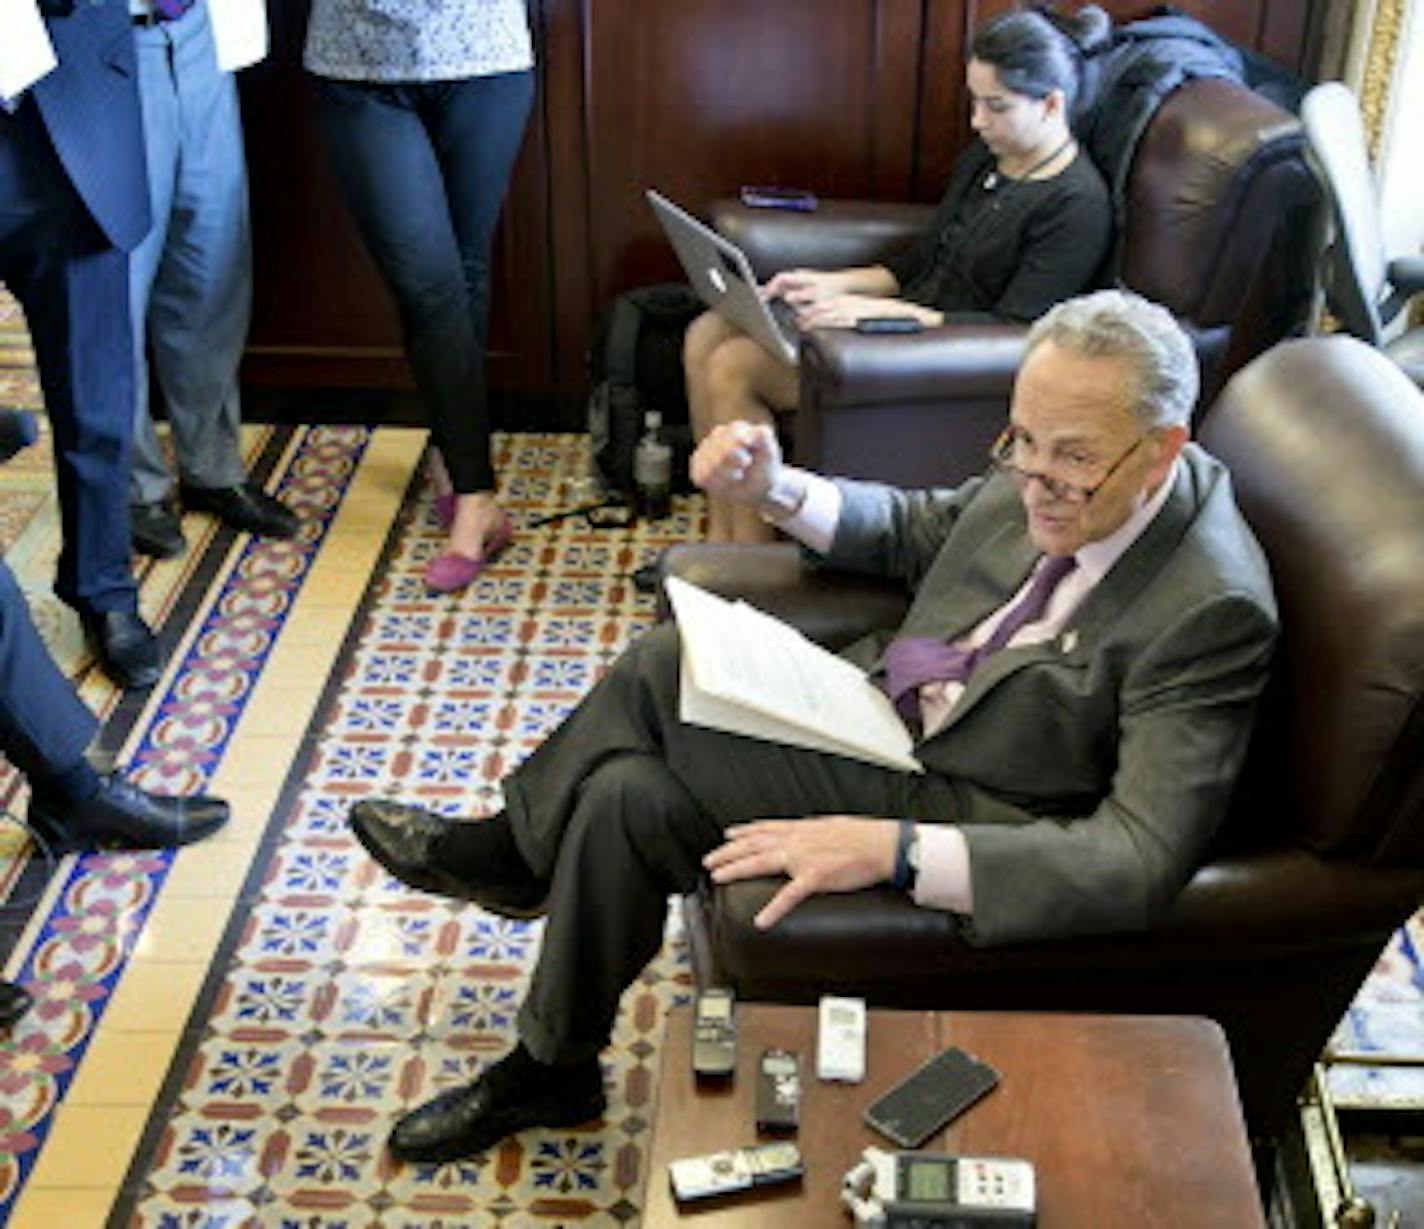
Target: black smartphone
column 888, row 324
column 930, row 1096
column 761, row 196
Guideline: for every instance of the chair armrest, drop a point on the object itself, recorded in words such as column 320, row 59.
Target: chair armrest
column 831, row 608
column 836, row 235
column 916, row 409
column 957, row 361
column 1239, row 910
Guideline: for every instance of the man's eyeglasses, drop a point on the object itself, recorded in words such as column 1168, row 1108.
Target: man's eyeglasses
column 1004, row 456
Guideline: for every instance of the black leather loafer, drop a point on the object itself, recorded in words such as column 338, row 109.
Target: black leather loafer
column 127, row 649
column 122, row 816
column 156, row 530
column 402, row 839
column 504, row 1100
column 14, row 1002
column 246, row 507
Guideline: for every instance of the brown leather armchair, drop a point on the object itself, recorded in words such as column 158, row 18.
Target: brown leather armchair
column 1220, row 212
column 1322, row 854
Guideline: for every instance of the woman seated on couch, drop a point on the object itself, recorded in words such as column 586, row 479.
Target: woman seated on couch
column 1025, row 222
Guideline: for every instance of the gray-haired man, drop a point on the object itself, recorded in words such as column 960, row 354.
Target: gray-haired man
column 1090, row 631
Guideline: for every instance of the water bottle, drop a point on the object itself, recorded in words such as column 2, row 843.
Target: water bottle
column 652, row 470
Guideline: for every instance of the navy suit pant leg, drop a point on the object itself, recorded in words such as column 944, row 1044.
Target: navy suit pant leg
column 44, row 726
column 73, row 285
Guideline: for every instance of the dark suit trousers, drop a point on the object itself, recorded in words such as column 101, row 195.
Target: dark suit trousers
column 73, row 285
column 44, row 726
column 617, row 809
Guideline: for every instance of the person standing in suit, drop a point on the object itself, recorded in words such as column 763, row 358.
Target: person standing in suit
column 191, row 277
column 1091, row 628
column 423, row 110
column 73, row 204
column 44, row 729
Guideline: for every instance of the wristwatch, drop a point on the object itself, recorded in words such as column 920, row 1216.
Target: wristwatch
column 907, row 857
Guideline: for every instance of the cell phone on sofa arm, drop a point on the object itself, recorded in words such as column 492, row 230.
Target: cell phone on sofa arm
column 764, row 196
column 930, row 1096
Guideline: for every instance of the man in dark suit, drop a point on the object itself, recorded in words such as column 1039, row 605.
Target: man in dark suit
column 1091, row 628
column 73, row 202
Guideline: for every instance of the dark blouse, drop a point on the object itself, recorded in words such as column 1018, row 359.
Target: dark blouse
column 1008, row 249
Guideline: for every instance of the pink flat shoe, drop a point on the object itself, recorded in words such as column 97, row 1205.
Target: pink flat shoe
column 452, row 571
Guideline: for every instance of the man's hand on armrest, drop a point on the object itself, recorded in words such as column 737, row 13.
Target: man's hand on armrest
column 824, row 853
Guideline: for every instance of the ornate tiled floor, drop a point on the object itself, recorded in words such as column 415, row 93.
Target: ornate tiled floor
column 227, row 1033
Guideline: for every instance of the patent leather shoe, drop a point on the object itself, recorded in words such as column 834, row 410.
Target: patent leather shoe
column 123, row 816
column 14, row 1002
column 246, row 507
column 156, row 530
column 515, row 1094
column 403, row 840
column 126, row 646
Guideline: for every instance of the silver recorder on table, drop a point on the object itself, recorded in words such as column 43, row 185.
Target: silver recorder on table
column 927, row 1190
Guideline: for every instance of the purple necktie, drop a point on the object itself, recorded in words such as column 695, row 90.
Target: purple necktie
column 171, row 10
column 913, row 661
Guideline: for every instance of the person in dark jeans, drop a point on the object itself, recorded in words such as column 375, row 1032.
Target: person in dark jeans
column 422, row 121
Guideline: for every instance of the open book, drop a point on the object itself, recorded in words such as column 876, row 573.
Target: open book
column 745, row 672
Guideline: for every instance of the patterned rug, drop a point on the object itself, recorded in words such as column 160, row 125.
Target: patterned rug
column 1386, row 1018
column 89, row 917
column 343, row 997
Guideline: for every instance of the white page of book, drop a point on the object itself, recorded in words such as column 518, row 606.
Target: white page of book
column 755, row 675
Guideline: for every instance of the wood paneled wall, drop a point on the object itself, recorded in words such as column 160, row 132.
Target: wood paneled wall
column 858, row 98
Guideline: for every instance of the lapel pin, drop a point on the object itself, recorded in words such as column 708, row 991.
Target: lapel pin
column 1070, row 641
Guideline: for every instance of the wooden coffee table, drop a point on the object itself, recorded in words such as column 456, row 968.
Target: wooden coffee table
column 1128, row 1120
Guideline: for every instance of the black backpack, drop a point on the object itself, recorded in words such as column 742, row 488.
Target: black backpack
column 637, row 366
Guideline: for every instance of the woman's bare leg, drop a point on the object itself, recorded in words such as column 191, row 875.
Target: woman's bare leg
column 744, row 382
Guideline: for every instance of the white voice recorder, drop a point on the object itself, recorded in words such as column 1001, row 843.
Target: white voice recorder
column 840, row 1039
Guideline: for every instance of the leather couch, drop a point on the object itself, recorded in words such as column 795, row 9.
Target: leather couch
column 1220, row 214
column 1321, row 856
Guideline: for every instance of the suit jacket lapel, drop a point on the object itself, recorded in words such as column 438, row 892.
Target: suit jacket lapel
column 1102, row 608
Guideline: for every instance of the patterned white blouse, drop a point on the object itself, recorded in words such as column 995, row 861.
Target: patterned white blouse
column 417, row 40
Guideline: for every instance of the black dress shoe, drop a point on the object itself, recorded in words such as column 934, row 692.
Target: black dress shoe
column 513, row 1095
column 122, row 816
column 14, row 1002
column 403, row 838
column 246, row 507
column 127, row 649
column 18, row 430
column 647, row 578
column 156, row 530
